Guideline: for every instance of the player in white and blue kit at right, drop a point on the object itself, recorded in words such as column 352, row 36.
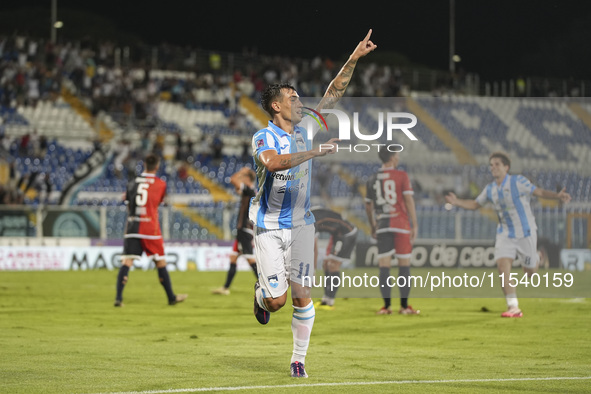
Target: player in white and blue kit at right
column 283, row 223
column 516, row 233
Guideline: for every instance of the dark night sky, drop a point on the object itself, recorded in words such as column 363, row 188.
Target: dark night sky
column 494, row 38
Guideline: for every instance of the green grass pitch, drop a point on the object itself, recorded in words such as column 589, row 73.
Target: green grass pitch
column 61, row 334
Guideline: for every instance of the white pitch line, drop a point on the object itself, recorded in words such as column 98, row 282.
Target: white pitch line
column 287, row 386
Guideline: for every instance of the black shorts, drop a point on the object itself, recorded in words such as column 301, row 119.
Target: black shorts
column 243, row 244
column 390, row 242
column 341, row 248
column 134, row 247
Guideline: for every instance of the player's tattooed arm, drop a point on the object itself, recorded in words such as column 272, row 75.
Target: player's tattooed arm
column 295, row 159
column 276, row 162
column 336, row 89
column 337, row 86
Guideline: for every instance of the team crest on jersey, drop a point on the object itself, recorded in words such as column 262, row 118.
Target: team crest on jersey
column 260, row 143
column 300, row 140
column 273, row 281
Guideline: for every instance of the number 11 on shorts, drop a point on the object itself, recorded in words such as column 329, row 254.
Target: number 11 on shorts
column 301, row 272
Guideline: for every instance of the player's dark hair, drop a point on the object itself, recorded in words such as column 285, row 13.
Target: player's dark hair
column 385, row 155
column 152, row 162
column 273, row 93
column 502, row 156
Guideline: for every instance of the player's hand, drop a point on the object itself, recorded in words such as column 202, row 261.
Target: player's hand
column 329, row 146
column 451, row 198
column 374, row 231
column 564, row 196
column 364, row 47
column 413, row 234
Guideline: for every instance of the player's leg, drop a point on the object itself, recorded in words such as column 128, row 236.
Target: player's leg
column 504, row 265
column 385, row 252
column 339, row 254
column 225, row 289
column 166, row 283
column 332, row 269
column 505, row 251
column 122, row 277
column 404, row 272
column 155, row 250
column 328, row 266
column 132, row 249
column 302, row 322
column 527, row 252
column 229, row 276
column 247, row 250
column 301, row 270
column 324, row 269
column 271, row 287
column 403, row 254
column 253, row 265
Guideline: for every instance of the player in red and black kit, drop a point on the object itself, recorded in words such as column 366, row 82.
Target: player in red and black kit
column 343, row 236
column 389, row 205
column 143, row 234
column 243, row 181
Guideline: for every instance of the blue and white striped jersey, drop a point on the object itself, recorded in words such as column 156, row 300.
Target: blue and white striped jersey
column 283, row 197
column 511, row 202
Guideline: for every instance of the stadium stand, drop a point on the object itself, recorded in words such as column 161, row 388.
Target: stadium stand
column 61, row 105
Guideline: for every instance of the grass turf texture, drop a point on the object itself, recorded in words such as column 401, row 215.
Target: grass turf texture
column 61, row 333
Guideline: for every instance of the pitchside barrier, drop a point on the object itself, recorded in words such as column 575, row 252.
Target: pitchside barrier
column 25, row 253
column 32, row 254
column 450, row 269
column 458, row 254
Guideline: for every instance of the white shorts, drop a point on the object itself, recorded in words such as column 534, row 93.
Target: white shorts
column 524, row 249
column 283, row 255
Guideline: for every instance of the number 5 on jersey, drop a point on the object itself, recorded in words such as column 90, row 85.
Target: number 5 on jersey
column 141, row 197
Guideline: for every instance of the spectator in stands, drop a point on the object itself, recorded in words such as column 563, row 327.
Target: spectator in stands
column 122, row 155
column 158, row 147
column 43, row 144
column 182, row 171
column 42, row 186
column 204, row 150
column 180, row 148
column 516, row 233
column 217, row 145
column 24, row 144
column 4, row 195
column 34, row 144
column 12, row 175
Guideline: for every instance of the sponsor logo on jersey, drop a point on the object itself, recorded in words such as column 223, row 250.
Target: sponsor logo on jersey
column 290, row 177
column 290, row 189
